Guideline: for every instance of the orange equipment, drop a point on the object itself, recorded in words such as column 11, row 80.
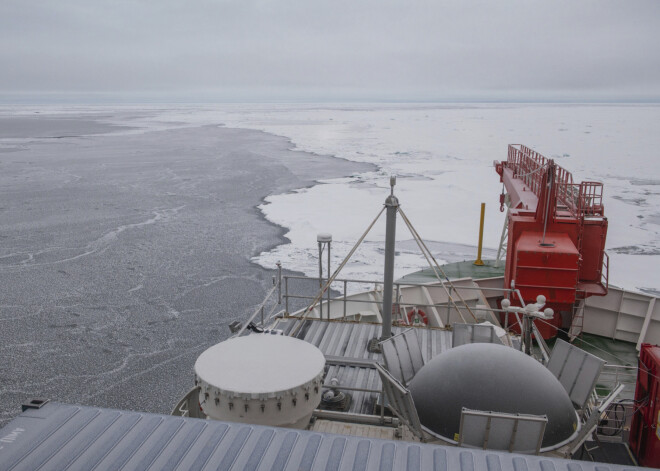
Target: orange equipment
column 556, row 235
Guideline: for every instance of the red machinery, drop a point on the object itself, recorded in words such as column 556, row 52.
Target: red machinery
column 645, row 426
column 556, row 235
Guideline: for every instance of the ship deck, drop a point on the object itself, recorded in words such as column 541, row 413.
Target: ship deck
column 458, row 270
column 345, row 346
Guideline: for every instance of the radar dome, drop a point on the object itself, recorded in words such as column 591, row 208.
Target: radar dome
column 261, row 379
column 494, row 378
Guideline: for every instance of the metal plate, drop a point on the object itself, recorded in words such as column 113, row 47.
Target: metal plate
column 400, row 401
column 521, row 433
column 474, row 333
column 576, row 370
column 403, row 355
column 75, row 438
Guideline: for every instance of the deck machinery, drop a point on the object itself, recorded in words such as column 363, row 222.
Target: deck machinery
column 556, row 236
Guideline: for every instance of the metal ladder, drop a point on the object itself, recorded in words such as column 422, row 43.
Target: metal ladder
column 577, row 323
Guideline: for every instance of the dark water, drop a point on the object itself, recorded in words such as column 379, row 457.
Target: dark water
column 124, row 256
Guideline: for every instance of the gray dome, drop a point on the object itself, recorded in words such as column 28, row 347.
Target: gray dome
column 490, row 377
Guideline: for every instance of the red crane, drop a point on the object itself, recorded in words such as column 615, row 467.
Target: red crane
column 556, row 235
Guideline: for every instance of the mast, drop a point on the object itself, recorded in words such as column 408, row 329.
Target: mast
column 392, row 205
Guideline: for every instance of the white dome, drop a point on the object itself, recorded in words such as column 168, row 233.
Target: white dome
column 261, row 378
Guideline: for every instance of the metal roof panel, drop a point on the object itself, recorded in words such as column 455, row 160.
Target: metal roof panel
column 60, row 437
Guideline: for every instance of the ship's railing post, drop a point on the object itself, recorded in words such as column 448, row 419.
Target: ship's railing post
column 398, row 299
column 262, row 316
column 279, row 282
column 286, row 293
column 382, row 405
column 478, row 261
column 451, row 289
column 345, row 287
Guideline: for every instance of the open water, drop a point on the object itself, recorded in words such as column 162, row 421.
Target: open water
column 125, row 252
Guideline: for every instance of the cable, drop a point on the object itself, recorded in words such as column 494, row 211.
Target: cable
column 623, row 362
column 425, row 250
column 294, row 332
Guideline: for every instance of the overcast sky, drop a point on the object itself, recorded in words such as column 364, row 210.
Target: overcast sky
column 333, row 50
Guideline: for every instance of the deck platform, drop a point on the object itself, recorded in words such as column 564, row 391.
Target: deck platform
column 458, row 270
column 344, row 345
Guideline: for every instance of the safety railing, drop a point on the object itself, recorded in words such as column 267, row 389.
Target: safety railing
column 591, row 199
column 605, row 271
column 273, row 299
column 526, row 164
column 583, row 199
column 617, row 374
column 616, row 421
column 616, row 418
column 346, row 297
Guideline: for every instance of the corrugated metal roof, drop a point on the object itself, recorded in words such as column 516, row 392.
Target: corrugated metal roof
column 61, row 437
column 349, row 340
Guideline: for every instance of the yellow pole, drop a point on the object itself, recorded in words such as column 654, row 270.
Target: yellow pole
column 478, row 261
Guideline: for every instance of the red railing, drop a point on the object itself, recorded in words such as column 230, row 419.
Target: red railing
column 591, row 199
column 605, row 271
column 527, row 164
column 584, row 199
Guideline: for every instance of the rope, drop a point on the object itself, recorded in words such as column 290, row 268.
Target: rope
column 427, row 253
column 295, row 331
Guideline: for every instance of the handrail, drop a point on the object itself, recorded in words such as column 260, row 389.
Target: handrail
column 426, row 285
column 605, row 271
column 583, row 199
column 345, row 299
column 612, row 375
column 257, row 311
column 367, row 301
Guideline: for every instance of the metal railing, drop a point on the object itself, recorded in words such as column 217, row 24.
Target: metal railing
column 615, row 420
column 617, row 374
column 526, row 164
column 399, row 304
column 605, row 271
column 583, row 199
column 591, row 199
column 260, row 310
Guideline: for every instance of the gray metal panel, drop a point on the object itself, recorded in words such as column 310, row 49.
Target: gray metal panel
column 403, row 355
column 519, row 433
column 400, row 401
column 474, row 333
column 576, row 370
column 61, row 437
column 350, row 340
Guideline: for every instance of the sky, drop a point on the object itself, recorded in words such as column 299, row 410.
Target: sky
column 342, row 50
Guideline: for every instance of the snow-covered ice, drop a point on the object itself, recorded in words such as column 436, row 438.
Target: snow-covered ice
column 443, row 156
